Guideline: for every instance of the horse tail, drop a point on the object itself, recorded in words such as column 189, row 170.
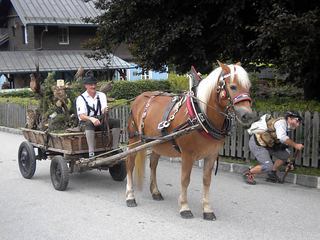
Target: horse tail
column 140, row 167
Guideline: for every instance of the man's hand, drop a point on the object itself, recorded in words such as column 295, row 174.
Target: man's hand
column 298, row 146
column 105, row 110
column 95, row 121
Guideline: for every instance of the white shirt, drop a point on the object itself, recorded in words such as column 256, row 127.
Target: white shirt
column 92, row 102
column 281, row 127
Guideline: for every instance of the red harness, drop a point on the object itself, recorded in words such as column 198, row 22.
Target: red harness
column 192, row 115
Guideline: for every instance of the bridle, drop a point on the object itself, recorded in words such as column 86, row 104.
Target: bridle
column 209, row 129
column 223, row 93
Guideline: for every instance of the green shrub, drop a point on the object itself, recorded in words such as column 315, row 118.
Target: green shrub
column 25, row 93
column 19, row 101
column 128, row 90
column 178, row 83
column 283, row 104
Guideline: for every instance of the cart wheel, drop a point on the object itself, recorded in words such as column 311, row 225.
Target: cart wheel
column 118, row 172
column 27, row 160
column 59, row 173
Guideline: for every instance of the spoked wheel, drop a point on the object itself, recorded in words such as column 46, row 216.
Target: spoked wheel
column 59, row 173
column 27, row 160
column 118, row 172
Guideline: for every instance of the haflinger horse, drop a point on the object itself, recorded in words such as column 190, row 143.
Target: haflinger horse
column 212, row 103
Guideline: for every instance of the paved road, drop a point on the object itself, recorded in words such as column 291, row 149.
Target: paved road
column 93, row 207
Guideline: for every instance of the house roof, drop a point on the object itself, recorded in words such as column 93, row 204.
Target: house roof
column 25, row 61
column 54, row 12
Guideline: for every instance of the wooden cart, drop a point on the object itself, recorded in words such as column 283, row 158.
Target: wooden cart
column 68, row 153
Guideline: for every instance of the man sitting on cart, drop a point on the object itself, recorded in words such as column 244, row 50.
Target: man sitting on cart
column 90, row 106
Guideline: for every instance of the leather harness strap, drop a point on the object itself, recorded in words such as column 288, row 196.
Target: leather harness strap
column 144, row 115
column 165, row 124
column 206, row 127
column 165, row 121
column 209, row 130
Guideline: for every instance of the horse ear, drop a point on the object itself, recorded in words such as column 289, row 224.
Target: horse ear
column 224, row 67
column 220, row 63
column 238, row 63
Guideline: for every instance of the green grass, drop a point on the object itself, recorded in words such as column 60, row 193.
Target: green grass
column 19, row 101
column 298, row 169
column 307, row 171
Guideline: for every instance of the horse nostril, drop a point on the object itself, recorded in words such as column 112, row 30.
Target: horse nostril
column 244, row 118
column 247, row 117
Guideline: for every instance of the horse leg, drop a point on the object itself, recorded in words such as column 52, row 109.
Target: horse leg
column 186, row 167
column 156, row 195
column 130, row 199
column 207, row 172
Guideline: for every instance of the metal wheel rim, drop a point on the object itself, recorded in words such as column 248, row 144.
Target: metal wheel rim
column 24, row 156
column 57, row 174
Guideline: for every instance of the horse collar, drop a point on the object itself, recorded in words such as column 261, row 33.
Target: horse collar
column 208, row 128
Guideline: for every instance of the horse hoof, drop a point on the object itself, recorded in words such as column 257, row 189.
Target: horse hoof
column 157, row 197
column 131, row 203
column 209, row 216
column 186, row 214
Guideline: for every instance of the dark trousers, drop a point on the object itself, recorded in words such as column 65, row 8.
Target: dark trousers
column 88, row 125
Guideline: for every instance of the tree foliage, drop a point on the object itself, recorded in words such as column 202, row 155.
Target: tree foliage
column 288, row 35
column 192, row 32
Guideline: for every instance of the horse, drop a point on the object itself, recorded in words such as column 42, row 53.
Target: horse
column 212, row 103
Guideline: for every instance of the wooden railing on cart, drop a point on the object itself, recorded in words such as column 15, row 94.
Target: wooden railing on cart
column 14, row 115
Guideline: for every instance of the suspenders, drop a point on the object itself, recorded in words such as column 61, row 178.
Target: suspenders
column 89, row 109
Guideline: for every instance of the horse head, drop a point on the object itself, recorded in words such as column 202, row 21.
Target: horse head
column 227, row 90
column 233, row 92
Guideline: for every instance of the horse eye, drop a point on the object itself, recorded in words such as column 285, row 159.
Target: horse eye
column 233, row 88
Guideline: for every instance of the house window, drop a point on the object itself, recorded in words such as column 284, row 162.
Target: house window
column 63, row 35
column 145, row 75
column 135, row 74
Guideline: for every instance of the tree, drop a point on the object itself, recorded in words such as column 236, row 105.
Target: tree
column 193, row 32
column 180, row 32
column 288, row 35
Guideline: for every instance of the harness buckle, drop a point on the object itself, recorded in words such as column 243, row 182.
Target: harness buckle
column 160, row 126
column 163, row 124
column 192, row 121
column 201, row 117
column 171, row 118
column 174, row 99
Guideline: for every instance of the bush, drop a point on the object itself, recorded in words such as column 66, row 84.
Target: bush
column 283, row 104
column 178, row 83
column 20, row 93
column 19, row 101
column 128, row 90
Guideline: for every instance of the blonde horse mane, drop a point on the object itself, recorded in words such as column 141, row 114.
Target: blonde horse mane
column 208, row 84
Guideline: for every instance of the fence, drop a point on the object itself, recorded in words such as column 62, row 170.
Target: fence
column 13, row 115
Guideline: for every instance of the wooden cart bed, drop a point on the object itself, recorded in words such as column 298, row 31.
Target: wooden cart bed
column 67, row 143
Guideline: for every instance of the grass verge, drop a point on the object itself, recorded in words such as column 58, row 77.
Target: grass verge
column 297, row 170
